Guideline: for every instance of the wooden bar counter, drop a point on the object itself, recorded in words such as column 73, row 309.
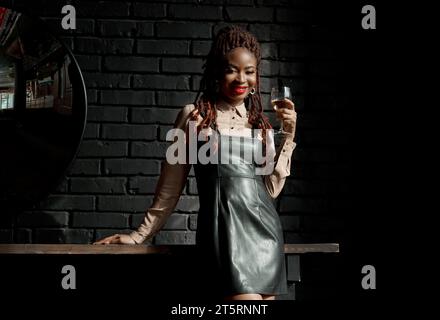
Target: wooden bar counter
column 141, row 249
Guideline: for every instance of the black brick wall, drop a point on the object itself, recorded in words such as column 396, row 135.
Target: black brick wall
column 141, row 63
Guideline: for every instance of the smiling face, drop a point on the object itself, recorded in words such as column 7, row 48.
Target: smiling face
column 239, row 76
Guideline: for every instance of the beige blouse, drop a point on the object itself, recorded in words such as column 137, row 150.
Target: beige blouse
column 230, row 121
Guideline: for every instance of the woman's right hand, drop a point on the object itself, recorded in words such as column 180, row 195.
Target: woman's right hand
column 116, row 239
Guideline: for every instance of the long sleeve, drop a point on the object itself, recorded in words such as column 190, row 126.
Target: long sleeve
column 169, row 187
column 168, row 190
column 275, row 181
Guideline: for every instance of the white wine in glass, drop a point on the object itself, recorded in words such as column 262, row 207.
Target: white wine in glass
column 278, row 98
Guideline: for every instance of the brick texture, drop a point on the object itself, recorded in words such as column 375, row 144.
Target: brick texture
column 142, row 62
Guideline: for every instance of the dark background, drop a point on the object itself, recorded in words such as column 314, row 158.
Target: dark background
column 141, row 62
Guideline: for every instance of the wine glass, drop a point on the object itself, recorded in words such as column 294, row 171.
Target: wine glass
column 278, row 96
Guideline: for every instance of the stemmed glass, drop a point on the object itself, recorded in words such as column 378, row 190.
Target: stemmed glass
column 278, row 96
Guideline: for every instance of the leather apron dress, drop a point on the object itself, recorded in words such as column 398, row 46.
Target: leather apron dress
column 238, row 228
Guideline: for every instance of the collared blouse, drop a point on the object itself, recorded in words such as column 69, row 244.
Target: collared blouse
column 231, row 121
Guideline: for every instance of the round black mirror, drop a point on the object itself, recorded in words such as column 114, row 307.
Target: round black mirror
column 42, row 109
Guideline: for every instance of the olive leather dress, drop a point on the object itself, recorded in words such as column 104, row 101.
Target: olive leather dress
column 238, row 228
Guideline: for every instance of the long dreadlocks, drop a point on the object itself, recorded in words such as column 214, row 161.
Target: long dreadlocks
column 227, row 39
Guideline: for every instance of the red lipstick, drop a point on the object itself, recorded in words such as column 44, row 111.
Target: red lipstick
column 239, row 90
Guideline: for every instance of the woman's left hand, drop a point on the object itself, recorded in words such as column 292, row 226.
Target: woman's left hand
column 288, row 116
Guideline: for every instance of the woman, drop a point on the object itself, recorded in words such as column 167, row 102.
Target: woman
column 238, row 228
